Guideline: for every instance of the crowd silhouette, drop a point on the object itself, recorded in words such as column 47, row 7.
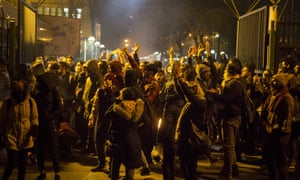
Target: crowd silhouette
column 121, row 107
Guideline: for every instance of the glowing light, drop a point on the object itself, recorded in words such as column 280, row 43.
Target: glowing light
column 159, row 123
column 91, row 39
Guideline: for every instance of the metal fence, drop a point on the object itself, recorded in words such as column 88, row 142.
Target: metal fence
column 288, row 40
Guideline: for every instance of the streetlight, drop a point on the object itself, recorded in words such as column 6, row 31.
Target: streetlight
column 91, row 41
column 126, row 43
column 216, row 44
column 97, row 49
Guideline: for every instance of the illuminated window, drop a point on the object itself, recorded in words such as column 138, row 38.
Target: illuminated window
column 46, row 11
column 40, row 10
column 66, row 12
column 79, row 11
column 59, row 12
column 53, row 11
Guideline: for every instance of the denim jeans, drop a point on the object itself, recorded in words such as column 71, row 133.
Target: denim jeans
column 230, row 133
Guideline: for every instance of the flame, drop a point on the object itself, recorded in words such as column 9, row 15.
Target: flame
column 159, row 123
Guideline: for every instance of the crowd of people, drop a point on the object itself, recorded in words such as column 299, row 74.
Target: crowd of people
column 122, row 107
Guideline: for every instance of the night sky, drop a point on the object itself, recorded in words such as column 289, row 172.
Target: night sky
column 147, row 22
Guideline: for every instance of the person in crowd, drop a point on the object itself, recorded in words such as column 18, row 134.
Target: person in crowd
column 297, row 167
column 248, row 130
column 4, row 80
column 116, row 68
column 231, row 97
column 67, row 136
column 92, row 83
column 70, row 60
column 160, row 77
column 126, row 115
column 295, row 134
column 172, row 105
column 134, row 78
column 80, row 77
column 51, row 112
column 294, row 89
column 104, row 98
column 67, row 89
column 203, row 77
column 221, row 68
column 278, row 125
column 151, row 90
column 264, row 84
column 189, row 88
column 19, row 124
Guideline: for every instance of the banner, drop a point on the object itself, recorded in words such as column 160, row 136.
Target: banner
column 61, row 36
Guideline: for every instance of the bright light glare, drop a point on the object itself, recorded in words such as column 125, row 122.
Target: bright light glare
column 91, row 39
column 159, row 123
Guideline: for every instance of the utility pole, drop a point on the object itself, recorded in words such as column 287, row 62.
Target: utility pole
column 272, row 34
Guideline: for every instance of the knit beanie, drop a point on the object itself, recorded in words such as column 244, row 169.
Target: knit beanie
column 282, row 78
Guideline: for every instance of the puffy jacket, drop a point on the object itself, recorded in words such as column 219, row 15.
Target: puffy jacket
column 22, row 119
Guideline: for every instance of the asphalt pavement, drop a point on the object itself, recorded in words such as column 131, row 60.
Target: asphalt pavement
column 78, row 166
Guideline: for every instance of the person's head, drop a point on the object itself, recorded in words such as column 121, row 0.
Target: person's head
column 248, row 70
column 267, row 74
column 223, row 59
column 110, row 80
column 132, row 77
column 297, row 68
column 70, row 60
column 287, row 64
column 92, row 67
column 53, row 66
column 103, row 67
column 203, row 72
column 79, row 67
column 279, row 82
column 173, row 70
column 159, row 76
column 19, row 89
column 233, row 68
column 189, row 75
column 37, row 68
column 143, row 65
column 64, row 68
column 116, row 67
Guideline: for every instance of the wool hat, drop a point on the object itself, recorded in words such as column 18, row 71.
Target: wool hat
column 282, row 78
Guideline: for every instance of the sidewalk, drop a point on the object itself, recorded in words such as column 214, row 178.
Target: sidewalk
column 78, row 168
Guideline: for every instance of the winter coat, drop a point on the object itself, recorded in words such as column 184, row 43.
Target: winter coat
column 195, row 113
column 49, row 102
column 280, row 115
column 103, row 99
column 124, row 131
column 231, row 98
column 173, row 104
column 22, row 120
